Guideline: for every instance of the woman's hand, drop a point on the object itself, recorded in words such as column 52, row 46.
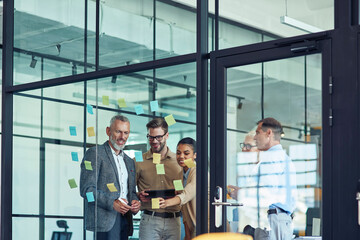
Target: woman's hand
column 162, row 203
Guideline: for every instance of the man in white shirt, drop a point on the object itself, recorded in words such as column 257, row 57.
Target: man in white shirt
column 111, row 182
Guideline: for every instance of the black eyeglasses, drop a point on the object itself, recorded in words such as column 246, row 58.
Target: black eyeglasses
column 158, row 137
column 246, row 146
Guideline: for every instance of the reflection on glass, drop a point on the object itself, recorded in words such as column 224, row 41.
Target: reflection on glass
column 49, row 35
column 284, row 99
column 244, row 22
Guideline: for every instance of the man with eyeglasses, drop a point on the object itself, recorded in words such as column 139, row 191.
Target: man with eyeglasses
column 158, row 223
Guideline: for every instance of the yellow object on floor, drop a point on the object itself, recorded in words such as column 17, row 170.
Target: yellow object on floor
column 223, row 236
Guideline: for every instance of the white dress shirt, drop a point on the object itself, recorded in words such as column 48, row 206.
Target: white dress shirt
column 123, row 173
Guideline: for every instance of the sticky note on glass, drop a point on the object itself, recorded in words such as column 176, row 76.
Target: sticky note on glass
column 154, row 105
column 155, row 203
column 160, row 169
column 105, row 100
column 74, row 156
column 91, row 131
column 90, row 197
column 88, row 165
column 138, row 156
column 72, row 130
column 189, row 163
column 122, row 103
column 72, row 183
column 178, row 185
column 156, row 158
column 170, row 120
column 139, row 109
column 111, row 187
column 89, row 109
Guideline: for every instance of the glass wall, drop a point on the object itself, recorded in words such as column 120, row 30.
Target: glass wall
column 52, row 129
column 288, row 90
column 55, row 39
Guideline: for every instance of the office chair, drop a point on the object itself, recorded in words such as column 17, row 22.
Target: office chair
column 61, row 235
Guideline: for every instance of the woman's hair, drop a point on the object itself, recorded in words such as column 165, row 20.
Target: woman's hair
column 188, row 141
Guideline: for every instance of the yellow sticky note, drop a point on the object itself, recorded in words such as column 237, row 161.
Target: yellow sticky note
column 160, row 169
column 91, row 131
column 105, row 100
column 178, row 185
column 189, row 163
column 111, row 187
column 88, row 165
column 122, row 103
column 155, row 203
column 156, row 158
column 170, row 120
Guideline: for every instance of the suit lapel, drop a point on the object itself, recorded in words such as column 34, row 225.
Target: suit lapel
column 127, row 160
column 112, row 160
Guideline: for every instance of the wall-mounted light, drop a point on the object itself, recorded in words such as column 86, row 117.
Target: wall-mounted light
column 33, row 62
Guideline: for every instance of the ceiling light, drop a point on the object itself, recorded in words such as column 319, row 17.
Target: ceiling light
column 299, row 25
column 113, row 79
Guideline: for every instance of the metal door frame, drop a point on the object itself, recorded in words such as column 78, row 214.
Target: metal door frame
column 257, row 53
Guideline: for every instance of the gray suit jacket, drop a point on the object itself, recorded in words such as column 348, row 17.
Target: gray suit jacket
column 104, row 172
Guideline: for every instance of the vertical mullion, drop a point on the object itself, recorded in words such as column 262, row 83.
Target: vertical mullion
column 202, row 116
column 7, row 120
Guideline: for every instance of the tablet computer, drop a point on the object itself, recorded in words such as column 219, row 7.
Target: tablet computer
column 166, row 193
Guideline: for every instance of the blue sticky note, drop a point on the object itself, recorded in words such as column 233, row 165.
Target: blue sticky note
column 154, row 105
column 90, row 197
column 72, row 130
column 138, row 156
column 74, row 156
column 139, row 109
column 89, row 108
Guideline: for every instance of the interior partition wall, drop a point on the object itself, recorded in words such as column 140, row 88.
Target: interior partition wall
column 71, row 65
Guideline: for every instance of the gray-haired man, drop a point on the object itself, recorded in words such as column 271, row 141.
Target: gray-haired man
column 110, row 165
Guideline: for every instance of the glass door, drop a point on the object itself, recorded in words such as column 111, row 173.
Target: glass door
column 275, row 164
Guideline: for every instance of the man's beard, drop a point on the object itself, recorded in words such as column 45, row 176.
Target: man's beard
column 117, row 147
column 162, row 145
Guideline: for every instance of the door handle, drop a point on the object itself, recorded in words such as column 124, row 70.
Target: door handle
column 358, row 199
column 227, row 204
column 218, row 208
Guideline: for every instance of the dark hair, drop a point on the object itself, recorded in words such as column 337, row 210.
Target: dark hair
column 273, row 124
column 158, row 122
column 188, row 141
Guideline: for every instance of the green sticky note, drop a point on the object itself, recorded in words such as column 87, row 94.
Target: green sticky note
column 170, row 120
column 105, row 100
column 178, row 185
column 122, row 103
column 72, row 183
column 88, row 165
column 160, row 169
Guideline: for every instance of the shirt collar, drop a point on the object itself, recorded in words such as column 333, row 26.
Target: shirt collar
column 149, row 154
column 277, row 147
